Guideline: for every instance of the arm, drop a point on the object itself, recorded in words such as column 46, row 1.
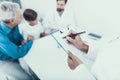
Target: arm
column 80, row 71
column 14, row 51
column 77, row 42
column 44, row 34
column 90, row 49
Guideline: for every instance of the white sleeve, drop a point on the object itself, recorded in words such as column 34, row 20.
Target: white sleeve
column 41, row 28
column 20, row 28
column 81, row 73
column 93, row 50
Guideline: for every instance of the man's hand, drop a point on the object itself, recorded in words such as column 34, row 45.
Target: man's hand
column 77, row 42
column 73, row 61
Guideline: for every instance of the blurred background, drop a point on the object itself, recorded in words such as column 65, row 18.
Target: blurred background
column 97, row 16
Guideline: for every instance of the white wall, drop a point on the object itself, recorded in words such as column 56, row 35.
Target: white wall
column 99, row 16
column 41, row 6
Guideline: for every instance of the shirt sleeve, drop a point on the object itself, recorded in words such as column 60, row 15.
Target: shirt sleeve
column 93, row 50
column 41, row 27
column 82, row 73
column 14, row 51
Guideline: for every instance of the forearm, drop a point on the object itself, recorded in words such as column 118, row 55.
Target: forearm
column 15, row 51
column 83, row 47
column 23, row 49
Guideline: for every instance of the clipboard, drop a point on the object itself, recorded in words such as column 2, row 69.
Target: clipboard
column 63, row 44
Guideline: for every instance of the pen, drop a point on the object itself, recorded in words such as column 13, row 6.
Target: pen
column 73, row 35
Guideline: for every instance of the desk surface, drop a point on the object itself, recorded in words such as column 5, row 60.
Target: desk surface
column 48, row 61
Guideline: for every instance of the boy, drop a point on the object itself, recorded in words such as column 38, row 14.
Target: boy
column 32, row 28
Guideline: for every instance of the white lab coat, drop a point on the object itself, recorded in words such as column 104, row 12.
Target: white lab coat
column 54, row 21
column 106, row 66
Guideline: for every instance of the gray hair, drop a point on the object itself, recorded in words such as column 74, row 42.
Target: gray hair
column 8, row 10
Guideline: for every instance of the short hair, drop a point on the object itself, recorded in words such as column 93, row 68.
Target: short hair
column 30, row 14
column 8, row 10
column 62, row 0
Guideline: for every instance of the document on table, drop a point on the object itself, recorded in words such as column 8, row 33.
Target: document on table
column 63, row 44
column 49, row 61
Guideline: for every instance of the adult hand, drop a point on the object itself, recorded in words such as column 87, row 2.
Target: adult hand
column 77, row 42
column 73, row 61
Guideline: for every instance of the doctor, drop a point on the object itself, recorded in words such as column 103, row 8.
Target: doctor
column 106, row 66
column 60, row 18
column 31, row 28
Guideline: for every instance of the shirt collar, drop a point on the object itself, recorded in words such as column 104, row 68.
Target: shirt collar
column 5, row 28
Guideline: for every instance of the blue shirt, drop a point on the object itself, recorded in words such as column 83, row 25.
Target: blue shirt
column 10, row 43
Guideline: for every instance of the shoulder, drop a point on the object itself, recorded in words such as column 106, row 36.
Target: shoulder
column 3, row 37
column 23, row 25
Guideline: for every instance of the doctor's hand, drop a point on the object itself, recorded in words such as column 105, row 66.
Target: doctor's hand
column 73, row 61
column 77, row 42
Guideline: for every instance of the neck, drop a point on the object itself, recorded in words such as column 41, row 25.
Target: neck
column 11, row 26
column 60, row 13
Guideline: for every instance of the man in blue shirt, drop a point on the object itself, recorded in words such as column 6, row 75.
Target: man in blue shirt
column 11, row 45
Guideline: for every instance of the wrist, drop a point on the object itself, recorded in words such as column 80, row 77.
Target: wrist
column 83, row 47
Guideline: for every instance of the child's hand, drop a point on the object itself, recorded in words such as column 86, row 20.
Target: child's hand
column 30, row 37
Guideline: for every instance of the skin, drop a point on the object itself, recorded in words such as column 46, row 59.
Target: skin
column 32, row 23
column 72, row 60
column 60, row 5
column 77, row 42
